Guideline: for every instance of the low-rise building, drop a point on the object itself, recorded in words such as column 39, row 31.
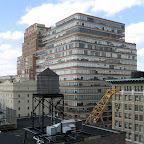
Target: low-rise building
column 17, row 94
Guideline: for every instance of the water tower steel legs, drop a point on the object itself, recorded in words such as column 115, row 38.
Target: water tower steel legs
column 41, row 98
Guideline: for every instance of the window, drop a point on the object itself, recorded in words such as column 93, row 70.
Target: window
column 126, row 107
column 130, row 115
column 136, row 137
column 28, row 101
column 120, row 124
column 140, row 128
column 116, row 107
column 141, row 88
column 141, row 138
column 119, row 106
column 120, row 97
column 136, row 107
column 130, row 88
column 27, row 95
column 28, row 108
column 116, row 97
column 138, row 88
column 18, row 108
column 126, row 98
column 136, row 127
column 136, row 117
column 140, row 117
column 19, row 101
column 116, row 114
column 141, row 98
column 18, row 95
column 126, row 115
column 130, row 126
column 130, row 98
column 136, row 98
column 130, row 136
column 120, row 114
column 116, row 123
column 19, row 115
column 130, row 107
column 135, row 88
column 141, row 108
column 126, row 125
column 110, row 118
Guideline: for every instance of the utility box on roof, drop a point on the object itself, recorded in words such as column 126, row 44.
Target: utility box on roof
column 47, row 82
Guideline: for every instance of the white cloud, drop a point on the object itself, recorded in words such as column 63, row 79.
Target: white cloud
column 140, row 52
column 4, row 47
column 140, row 60
column 135, row 33
column 111, row 7
column 140, row 65
column 8, row 56
column 8, row 69
column 50, row 13
column 16, row 35
column 9, row 52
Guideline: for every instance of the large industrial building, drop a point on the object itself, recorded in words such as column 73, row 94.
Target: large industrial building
column 127, row 113
column 84, row 51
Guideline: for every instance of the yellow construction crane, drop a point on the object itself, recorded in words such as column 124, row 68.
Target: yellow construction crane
column 101, row 106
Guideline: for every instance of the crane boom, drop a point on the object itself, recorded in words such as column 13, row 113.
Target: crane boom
column 101, row 106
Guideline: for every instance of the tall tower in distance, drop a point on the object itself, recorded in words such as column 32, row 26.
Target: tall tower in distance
column 84, row 51
column 26, row 64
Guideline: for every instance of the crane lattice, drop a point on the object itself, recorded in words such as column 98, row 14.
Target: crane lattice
column 101, row 106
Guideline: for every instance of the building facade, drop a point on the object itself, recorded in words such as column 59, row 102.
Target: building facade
column 84, row 51
column 26, row 64
column 17, row 95
column 128, row 109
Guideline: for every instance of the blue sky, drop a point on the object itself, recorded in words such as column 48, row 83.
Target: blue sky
column 17, row 15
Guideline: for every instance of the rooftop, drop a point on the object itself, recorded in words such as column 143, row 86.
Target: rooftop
column 47, row 72
column 89, row 16
column 89, row 132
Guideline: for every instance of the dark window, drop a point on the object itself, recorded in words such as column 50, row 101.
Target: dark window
column 136, row 98
column 136, row 117
column 130, row 107
column 136, row 107
column 140, row 117
column 126, row 107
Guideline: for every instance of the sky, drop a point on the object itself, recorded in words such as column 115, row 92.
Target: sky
column 17, row 15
